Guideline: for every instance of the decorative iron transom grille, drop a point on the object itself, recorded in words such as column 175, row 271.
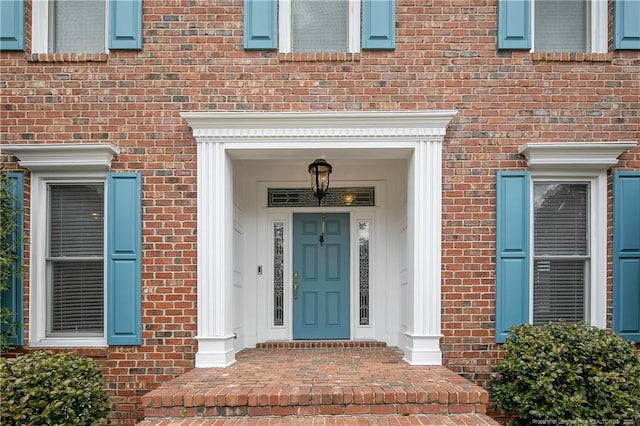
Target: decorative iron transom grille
column 336, row 197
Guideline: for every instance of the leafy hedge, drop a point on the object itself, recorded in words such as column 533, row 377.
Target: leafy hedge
column 568, row 372
column 45, row 388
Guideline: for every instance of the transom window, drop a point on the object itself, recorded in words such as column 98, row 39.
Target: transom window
column 561, row 251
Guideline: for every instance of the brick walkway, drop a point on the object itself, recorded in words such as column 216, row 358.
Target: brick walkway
column 317, row 385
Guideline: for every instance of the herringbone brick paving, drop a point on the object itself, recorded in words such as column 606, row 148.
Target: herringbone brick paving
column 316, row 385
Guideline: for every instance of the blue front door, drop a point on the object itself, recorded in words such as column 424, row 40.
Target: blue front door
column 321, row 276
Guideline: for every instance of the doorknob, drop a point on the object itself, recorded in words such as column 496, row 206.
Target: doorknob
column 295, row 285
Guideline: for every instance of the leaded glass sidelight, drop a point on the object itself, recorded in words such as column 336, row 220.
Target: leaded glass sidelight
column 278, row 274
column 363, row 271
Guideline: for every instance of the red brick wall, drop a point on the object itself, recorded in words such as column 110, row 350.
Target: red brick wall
column 193, row 60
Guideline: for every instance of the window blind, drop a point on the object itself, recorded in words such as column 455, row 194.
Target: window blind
column 560, row 228
column 320, row 25
column 76, row 260
column 78, row 26
column 561, row 25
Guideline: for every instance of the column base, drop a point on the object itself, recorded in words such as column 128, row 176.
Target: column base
column 215, row 352
column 422, row 349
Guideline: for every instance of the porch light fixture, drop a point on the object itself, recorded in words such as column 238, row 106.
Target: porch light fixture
column 320, row 171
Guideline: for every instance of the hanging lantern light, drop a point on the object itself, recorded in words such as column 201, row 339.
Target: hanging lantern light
column 320, row 171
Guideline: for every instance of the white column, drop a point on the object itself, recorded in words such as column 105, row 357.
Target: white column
column 424, row 210
column 215, row 225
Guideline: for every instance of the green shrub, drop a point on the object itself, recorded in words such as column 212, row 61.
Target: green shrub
column 45, row 388
column 568, row 373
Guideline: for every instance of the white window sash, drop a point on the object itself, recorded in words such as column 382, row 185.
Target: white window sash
column 598, row 26
column 40, row 26
column 596, row 273
column 285, row 26
column 38, row 309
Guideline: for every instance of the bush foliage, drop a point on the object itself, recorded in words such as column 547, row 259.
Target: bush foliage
column 45, row 388
column 568, row 372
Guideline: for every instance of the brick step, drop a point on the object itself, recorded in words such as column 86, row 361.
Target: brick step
column 302, row 384
column 396, row 420
column 283, row 400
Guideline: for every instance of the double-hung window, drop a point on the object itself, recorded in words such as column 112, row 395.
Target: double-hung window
column 552, row 237
column 567, row 26
column 320, row 26
column 561, row 251
column 85, row 246
column 78, row 26
column 75, row 260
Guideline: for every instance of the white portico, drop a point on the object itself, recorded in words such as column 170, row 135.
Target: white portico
column 245, row 270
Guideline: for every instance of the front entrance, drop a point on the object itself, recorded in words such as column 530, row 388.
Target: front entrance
column 321, row 276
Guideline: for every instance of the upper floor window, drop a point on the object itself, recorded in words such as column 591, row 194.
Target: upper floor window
column 343, row 26
column 77, row 26
column 69, row 26
column 319, row 26
column 570, row 26
column 85, row 27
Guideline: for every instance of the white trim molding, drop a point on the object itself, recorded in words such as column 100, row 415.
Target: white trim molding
column 63, row 157
column 330, row 127
column 574, row 155
column 224, row 136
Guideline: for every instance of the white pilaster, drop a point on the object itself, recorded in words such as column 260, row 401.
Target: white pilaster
column 424, row 209
column 215, row 216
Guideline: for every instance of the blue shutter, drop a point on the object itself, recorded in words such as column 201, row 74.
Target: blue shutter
column 125, row 24
column 627, row 24
column 13, row 297
column 12, row 24
column 124, row 258
column 514, row 24
column 378, row 24
column 512, row 251
column 626, row 255
column 260, row 24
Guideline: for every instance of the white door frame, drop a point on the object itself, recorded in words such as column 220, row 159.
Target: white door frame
column 267, row 216
column 221, row 137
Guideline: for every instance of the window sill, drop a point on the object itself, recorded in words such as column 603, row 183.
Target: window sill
column 68, row 57
column 69, row 342
column 318, row 57
column 571, row 57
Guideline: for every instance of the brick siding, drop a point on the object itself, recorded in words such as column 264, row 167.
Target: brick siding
column 193, row 60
